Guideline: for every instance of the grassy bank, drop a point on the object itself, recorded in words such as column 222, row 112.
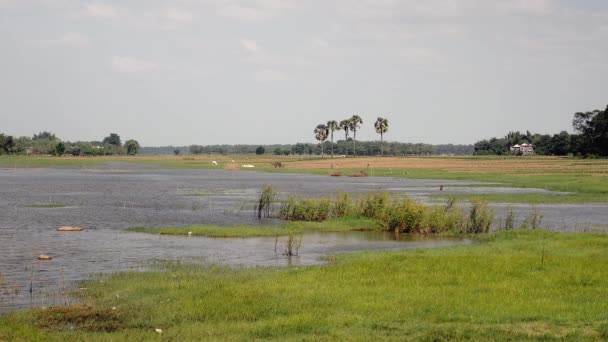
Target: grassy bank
column 520, row 285
column 334, row 225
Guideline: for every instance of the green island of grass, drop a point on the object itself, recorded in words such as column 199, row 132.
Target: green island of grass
column 48, row 205
column 334, row 225
column 518, row 285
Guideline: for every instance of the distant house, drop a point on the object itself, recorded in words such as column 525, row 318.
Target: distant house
column 523, row 149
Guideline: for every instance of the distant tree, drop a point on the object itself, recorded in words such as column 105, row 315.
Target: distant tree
column 75, row 151
column 381, row 126
column 332, row 126
column 299, row 149
column 177, row 151
column 286, row 152
column 321, row 135
column 345, row 125
column 132, row 147
column 7, row 144
column 196, row 149
column 593, row 126
column 112, row 139
column 260, row 150
column 44, row 136
column 60, row 148
column 355, row 120
column 278, row 151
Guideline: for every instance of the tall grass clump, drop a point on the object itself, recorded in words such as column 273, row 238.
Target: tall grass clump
column 267, row 196
column 480, row 217
column 510, row 219
column 395, row 214
column 374, row 205
column 294, row 209
column 533, row 220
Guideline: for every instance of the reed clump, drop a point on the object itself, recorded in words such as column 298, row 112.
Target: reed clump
column 394, row 213
column 267, row 197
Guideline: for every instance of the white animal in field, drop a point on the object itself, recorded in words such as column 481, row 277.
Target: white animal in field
column 214, row 163
column 247, row 165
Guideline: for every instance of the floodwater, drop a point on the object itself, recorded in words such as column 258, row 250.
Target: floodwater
column 107, row 200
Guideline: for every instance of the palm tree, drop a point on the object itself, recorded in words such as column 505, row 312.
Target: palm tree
column 354, row 122
column 321, row 135
column 345, row 125
column 332, row 126
column 381, row 126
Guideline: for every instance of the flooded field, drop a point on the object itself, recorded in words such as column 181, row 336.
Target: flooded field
column 106, row 201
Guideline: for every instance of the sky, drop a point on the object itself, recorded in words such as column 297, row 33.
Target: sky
column 187, row 72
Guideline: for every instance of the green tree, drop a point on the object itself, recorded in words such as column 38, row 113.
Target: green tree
column 355, row 120
column 345, row 125
column 260, row 150
column 593, row 126
column 44, row 136
column 60, row 148
column 132, row 147
column 321, row 135
column 332, row 126
column 277, row 151
column 177, row 151
column 112, row 139
column 381, row 126
column 7, row 144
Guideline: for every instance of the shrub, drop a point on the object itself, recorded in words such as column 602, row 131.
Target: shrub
column 533, row 220
column 403, row 216
column 374, row 205
column 341, row 206
column 510, row 219
column 480, row 217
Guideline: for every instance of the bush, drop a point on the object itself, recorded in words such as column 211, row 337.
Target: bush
column 403, row 216
column 374, row 205
column 480, row 217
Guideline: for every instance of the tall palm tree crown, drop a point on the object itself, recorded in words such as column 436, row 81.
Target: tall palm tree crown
column 381, row 126
column 332, row 126
column 355, row 120
column 321, row 135
column 345, row 125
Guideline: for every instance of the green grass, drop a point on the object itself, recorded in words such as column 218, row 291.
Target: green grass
column 531, row 198
column 334, row 225
column 497, row 290
column 48, row 205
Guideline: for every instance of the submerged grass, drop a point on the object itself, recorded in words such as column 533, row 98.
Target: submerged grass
column 497, row 290
column 335, row 225
column 48, row 205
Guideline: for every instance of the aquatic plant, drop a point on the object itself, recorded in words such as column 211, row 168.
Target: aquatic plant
column 533, row 220
column 480, row 217
column 510, row 219
column 267, row 196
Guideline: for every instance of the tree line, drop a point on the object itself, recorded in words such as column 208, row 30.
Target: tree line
column 590, row 140
column 352, row 124
column 47, row 143
column 340, row 147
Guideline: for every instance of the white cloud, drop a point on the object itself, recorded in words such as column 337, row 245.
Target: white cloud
column 176, row 18
column 254, row 10
column 68, row 39
column 130, row 64
column 99, row 10
column 269, row 75
column 250, row 45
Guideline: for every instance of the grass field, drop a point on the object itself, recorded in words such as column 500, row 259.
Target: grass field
column 587, row 180
column 516, row 285
column 334, row 225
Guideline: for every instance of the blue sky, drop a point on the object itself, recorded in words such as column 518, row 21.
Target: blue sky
column 268, row 71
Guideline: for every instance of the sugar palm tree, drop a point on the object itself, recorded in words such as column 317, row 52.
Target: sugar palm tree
column 381, row 126
column 345, row 125
column 321, row 135
column 332, row 126
column 354, row 122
